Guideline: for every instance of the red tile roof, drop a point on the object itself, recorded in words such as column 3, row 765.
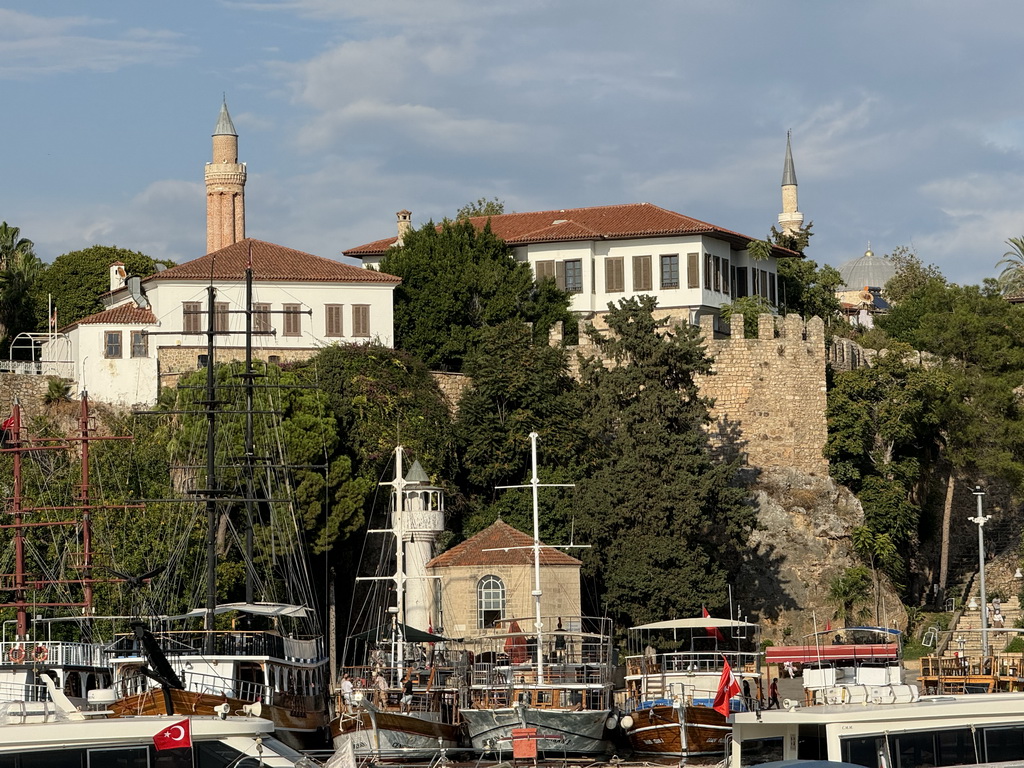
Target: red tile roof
column 499, row 544
column 603, row 222
column 270, row 262
column 123, row 314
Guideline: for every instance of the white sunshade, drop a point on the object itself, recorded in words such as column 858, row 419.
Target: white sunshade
column 706, row 622
column 257, row 609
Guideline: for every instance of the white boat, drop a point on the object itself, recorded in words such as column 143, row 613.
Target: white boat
column 881, row 731
column 59, row 735
column 522, row 680
column 669, row 693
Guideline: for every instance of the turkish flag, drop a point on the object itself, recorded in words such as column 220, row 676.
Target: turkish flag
column 714, row 632
column 174, row 746
column 8, row 423
column 727, row 688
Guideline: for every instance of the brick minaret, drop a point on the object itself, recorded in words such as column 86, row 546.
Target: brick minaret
column 225, row 187
column 790, row 220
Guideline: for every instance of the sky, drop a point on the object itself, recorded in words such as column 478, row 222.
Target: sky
column 907, row 118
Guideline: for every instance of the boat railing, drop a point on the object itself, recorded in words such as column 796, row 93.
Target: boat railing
column 226, row 643
column 503, row 673
column 693, row 662
column 23, row 692
column 52, row 653
column 212, row 685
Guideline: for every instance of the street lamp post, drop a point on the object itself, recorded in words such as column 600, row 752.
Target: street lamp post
column 980, row 520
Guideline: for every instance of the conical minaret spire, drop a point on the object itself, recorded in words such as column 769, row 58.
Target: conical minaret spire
column 225, row 187
column 790, row 220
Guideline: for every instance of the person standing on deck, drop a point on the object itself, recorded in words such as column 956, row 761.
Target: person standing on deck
column 773, row 694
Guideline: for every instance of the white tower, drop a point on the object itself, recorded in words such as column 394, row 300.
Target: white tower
column 422, row 508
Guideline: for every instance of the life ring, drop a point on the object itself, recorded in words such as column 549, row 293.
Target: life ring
column 40, row 653
column 16, row 654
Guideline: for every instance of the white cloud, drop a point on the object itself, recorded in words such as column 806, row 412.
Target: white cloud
column 32, row 46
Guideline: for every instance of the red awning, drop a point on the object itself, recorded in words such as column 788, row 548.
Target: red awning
column 807, row 654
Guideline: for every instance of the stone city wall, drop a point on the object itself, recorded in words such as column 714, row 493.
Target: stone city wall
column 28, row 389
column 176, row 361
column 769, row 392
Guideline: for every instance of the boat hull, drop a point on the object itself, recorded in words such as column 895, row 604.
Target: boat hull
column 659, row 731
column 298, row 727
column 394, row 736
column 559, row 731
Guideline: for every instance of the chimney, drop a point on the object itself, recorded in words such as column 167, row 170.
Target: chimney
column 117, row 275
column 404, row 224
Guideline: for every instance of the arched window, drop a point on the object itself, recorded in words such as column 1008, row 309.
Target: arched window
column 490, row 601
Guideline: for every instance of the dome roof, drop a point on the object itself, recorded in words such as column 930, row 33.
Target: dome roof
column 867, row 271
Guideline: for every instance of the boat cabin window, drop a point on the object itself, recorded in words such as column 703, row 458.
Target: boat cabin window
column 490, row 600
column 933, row 748
column 1003, row 744
column 811, row 743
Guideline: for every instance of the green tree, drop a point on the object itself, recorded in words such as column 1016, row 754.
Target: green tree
column 482, row 207
column 20, row 270
column 1011, row 278
column 457, row 279
column 13, row 245
column 666, row 519
column 78, row 279
column 849, row 592
column 911, row 275
column 519, row 386
column 809, row 290
column 797, row 241
column 748, row 309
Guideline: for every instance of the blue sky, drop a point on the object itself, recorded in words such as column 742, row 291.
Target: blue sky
column 907, row 118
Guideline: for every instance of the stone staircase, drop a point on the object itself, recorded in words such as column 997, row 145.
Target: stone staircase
column 965, row 636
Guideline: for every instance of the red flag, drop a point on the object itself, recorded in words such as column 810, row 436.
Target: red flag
column 727, row 688
column 8, row 423
column 828, row 625
column 177, row 736
column 714, row 632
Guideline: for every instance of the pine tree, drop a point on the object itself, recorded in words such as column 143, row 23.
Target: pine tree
column 665, row 517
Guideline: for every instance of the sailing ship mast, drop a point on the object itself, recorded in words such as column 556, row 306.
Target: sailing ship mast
column 535, row 486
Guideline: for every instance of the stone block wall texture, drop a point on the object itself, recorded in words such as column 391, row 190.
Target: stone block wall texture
column 29, row 390
column 769, row 392
column 177, row 361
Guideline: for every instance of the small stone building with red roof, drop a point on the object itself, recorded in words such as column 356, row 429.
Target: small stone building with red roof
column 605, row 253
column 154, row 328
column 489, row 579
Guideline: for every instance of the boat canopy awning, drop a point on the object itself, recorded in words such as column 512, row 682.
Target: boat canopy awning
column 707, row 622
column 808, row 654
column 256, row 609
column 382, row 632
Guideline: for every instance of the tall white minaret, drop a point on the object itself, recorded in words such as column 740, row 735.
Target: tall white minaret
column 225, row 187
column 790, row 220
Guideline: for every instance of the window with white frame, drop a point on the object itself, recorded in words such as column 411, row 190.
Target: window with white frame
column 490, row 601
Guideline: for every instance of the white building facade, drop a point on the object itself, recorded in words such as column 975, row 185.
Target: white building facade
column 155, row 328
column 603, row 254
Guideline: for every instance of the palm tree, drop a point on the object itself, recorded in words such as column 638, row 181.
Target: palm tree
column 19, row 269
column 12, row 244
column 1011, row 279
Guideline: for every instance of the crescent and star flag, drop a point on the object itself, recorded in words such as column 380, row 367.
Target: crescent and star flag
column 727, row 688
column 175, row 736
column 714, row 632
column 8, row 423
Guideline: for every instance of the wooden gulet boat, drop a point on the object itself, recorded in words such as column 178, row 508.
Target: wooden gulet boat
column 669, row 694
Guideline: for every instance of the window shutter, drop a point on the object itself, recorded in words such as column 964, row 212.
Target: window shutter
column 641, row 273
column 693, row 270
column 560, row 275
